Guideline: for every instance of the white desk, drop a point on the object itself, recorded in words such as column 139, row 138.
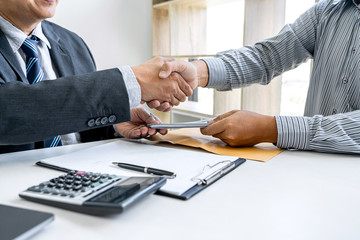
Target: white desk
column 296, row 195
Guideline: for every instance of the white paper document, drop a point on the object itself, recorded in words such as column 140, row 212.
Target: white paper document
column 187, row 164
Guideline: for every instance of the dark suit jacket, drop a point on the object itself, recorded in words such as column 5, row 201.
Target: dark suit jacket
column 80, row 100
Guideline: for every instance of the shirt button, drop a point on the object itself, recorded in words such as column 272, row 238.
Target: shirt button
column 104, row 120
column 98, row 121
column 91, row 123
column 353, row 49
column 334, row 111
column 112, row 118
column 345, row 80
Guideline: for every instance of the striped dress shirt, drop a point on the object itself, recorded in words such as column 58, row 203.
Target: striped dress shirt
column 328, row 33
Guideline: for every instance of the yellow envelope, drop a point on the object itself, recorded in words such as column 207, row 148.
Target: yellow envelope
column 193, row 138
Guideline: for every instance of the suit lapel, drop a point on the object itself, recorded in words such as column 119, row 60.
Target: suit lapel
column 60, row 57
column 10, row 57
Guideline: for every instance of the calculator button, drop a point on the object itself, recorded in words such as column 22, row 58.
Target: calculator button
column 34, row 189
column 77, row 182
column 72, row 195
column 80, row 173
column 94, row 185
column 95, row 179
column 54, row 180
column 43, row 184
column 46, row 190
column 63, row 193
column 85, row 189
column 77, row 187
column 54, row 192
column 103, row 180
column 60, row 180
column 87, row 183
column 69, row 181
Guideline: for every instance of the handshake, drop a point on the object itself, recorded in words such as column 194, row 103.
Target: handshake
column 164, row 83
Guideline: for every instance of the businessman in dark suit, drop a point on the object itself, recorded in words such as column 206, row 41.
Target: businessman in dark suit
column 78, row 98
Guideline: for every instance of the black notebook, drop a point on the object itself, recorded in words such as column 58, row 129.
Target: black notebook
column 19, row 223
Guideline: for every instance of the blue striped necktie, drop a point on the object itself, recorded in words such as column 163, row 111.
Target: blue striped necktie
column 35, row 74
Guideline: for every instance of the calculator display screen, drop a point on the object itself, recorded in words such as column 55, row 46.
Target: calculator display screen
column 123, row 190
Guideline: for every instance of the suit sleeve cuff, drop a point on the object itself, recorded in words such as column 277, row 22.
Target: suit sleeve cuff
column 132, row 86
column 293, row 132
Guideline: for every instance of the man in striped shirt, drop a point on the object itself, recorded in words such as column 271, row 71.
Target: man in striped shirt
column 328, row 33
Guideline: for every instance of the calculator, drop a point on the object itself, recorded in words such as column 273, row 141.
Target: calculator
column 93, row 193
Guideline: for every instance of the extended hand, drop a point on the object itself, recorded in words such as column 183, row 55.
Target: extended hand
column 243, row 128
column 137, row 128
column 173, row 89
column 186, row 69
column 194, row 73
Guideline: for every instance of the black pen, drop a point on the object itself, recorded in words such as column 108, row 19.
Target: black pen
column 148, row 170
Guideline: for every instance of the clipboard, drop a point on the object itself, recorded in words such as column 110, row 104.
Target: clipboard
column 195, row 169
column 205, row 179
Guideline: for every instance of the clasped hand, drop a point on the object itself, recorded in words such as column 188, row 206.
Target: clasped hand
column 162, row 86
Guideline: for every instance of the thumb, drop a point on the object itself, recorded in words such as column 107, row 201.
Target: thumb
column 173, row 66
column 146, row 116
column 225, row 115
column 166, row 70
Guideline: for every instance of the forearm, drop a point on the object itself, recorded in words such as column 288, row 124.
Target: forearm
column 266, row 59
column 50, row 108
column 336, row 133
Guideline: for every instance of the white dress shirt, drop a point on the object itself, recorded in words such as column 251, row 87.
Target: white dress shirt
column 16, row 37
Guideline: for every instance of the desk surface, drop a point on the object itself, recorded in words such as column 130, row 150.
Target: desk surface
column 296, row 195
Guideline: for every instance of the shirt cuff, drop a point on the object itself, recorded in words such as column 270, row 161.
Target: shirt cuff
column 293, row 132
column 132, row 86
column 217, row 72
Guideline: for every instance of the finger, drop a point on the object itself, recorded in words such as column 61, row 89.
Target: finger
column 164, row 109
column 134, row 133
column 175, row 98
column 151, row 132
column 183, row 85
column 179, row 95
column 164, row 106
column 213, row 129
column 144, row 131
column 171, row 66
column 225, row 115
column 153, row 104
column 168, row 109
column 146, row 116
column 163, row 131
